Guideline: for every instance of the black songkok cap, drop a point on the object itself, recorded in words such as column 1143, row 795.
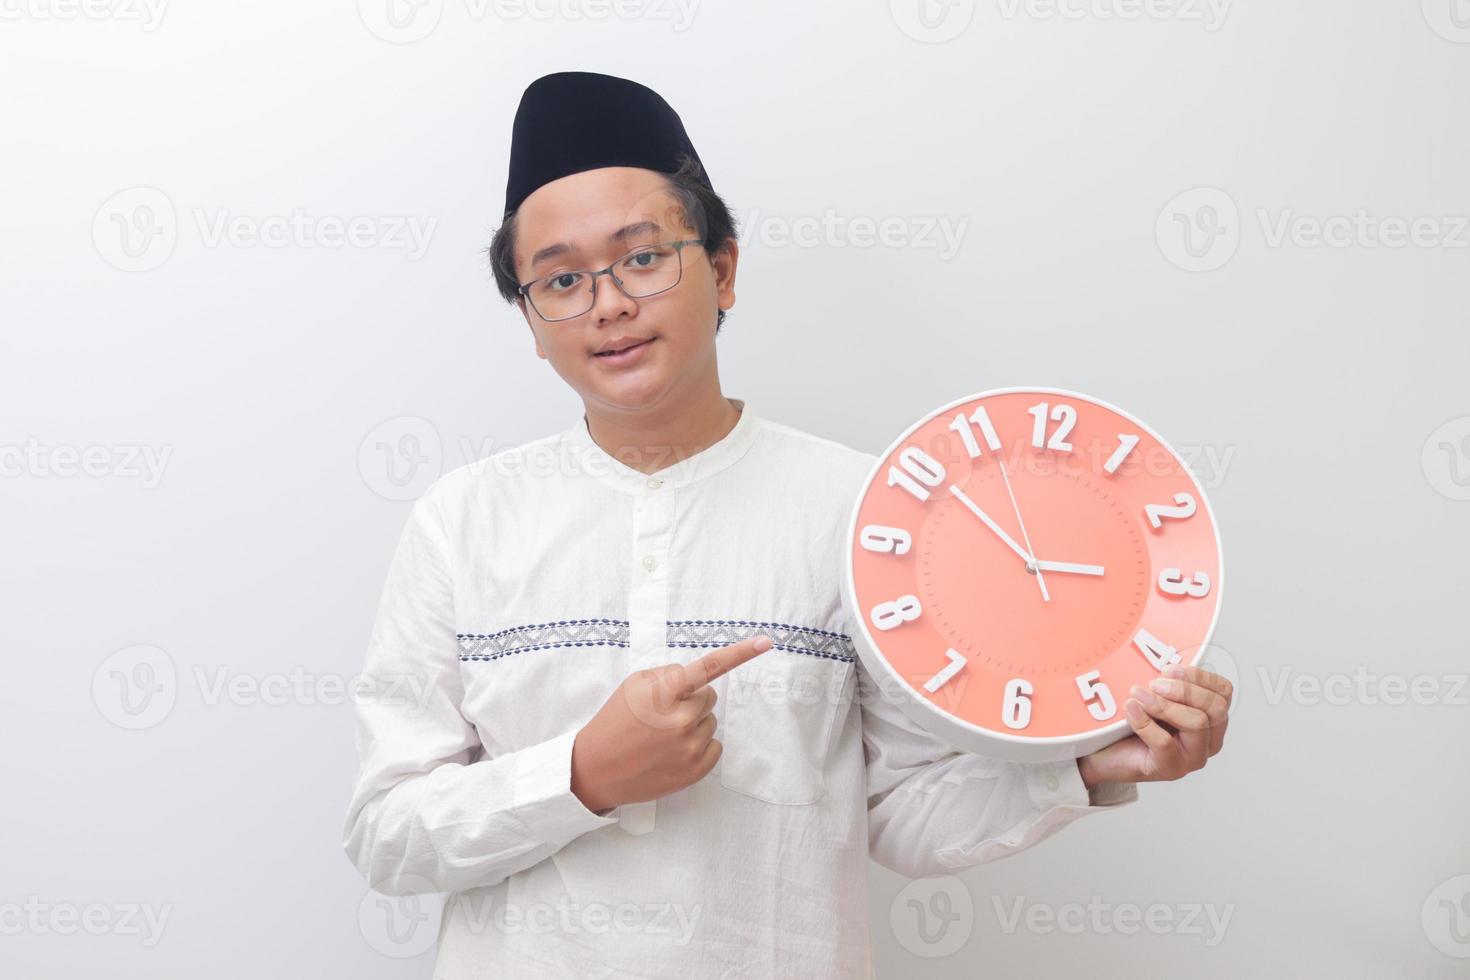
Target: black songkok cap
column 573, row 121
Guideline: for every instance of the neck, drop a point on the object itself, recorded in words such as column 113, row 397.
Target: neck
column 652, row 439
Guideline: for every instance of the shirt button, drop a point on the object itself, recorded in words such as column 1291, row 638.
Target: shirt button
column 649, row 563
column 654, row 483
column 1051, row 781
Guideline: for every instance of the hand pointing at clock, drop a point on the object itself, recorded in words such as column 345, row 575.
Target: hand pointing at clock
column 1177, row 726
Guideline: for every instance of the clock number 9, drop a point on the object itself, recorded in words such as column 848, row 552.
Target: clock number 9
column 1016, row 712
column 888, row 540
column 1091, row 686
column 891, row 615
column 918, row 468
column 1171, row 582
column 1156, row 512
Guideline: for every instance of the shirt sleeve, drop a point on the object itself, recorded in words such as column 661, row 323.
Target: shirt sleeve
column 428, row 813
column 933, row 809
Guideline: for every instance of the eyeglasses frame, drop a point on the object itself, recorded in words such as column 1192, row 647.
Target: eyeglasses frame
column 524, row 289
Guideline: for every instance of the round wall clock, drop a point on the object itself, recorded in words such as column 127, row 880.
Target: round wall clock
column 1018, row 559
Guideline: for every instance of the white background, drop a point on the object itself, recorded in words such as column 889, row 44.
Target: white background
column 1329, row 381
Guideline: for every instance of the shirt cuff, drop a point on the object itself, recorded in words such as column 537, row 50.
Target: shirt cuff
column 1060, row 784
column 543, row 797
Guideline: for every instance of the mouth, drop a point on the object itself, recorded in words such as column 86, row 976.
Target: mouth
column 614, row 355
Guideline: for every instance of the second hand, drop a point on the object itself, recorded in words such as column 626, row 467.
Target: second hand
column 1031, row 565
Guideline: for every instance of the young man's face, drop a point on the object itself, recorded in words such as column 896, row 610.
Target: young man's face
column 585, row 212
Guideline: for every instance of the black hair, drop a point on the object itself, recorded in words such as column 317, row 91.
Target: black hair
column 704, row 210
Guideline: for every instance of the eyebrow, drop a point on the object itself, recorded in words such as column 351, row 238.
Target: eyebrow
column 622, row 234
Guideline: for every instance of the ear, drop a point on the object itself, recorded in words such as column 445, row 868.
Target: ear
column 725, row 262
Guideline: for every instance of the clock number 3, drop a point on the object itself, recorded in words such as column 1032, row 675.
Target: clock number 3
column 1172, row 582
column 1064, row 414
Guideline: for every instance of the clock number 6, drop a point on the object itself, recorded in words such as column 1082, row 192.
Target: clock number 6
column 891, row 615
column 1091, row 686
column 1016, row 713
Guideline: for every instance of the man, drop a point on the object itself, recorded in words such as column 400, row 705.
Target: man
column 591, row 609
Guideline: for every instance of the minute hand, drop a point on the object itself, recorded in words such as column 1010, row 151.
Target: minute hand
column 975, row 509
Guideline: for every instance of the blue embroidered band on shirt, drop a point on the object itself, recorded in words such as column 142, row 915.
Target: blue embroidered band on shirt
column 544, row 636
column 702, row 633
column 796, row 639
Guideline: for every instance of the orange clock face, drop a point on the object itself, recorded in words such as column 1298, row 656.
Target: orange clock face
column 1020, row 558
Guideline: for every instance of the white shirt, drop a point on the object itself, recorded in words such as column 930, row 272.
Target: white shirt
column 524, row 589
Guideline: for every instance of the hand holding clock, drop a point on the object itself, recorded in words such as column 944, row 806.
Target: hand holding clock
column 1191, row 705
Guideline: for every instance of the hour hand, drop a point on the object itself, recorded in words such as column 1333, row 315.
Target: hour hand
column 1069, row 566
column 975, row 509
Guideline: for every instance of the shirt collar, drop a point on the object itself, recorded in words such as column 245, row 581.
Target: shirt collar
column 587, row 457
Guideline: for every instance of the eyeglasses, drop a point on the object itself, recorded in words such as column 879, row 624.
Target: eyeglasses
column 645, row 271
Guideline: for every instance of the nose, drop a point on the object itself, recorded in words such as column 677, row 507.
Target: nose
column 609, row 302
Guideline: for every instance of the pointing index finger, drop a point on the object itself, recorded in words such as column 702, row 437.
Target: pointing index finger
column 719, row 662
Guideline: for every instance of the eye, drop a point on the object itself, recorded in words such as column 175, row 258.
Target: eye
column 648, row 258
column 563, row 281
